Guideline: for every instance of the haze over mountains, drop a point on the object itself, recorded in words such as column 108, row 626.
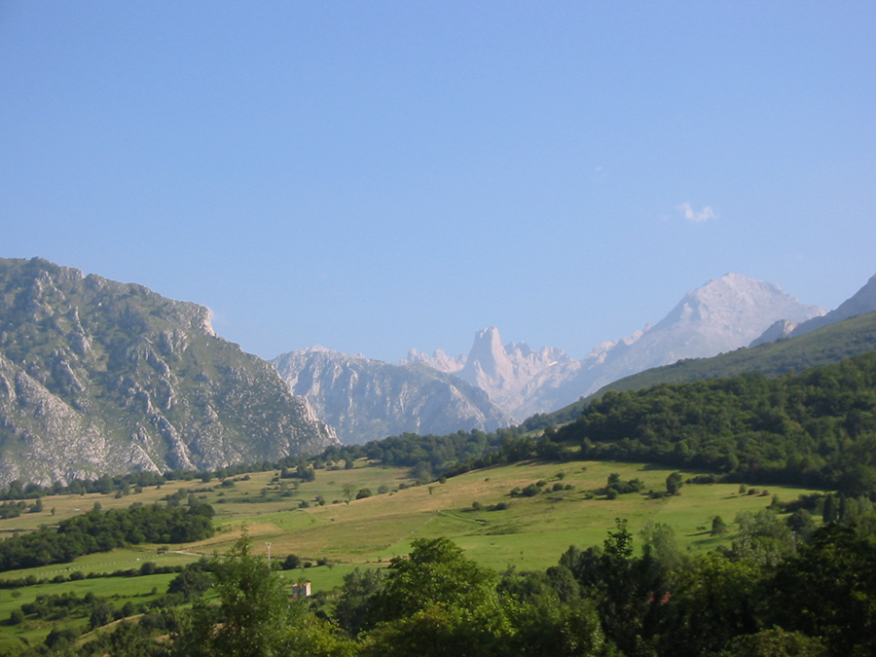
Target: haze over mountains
column 99, row 377
column 724, row 314
column 365, row 399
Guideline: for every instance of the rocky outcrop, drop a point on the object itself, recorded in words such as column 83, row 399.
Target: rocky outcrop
column 101, row 377
column 722, row 315
column 365, row 399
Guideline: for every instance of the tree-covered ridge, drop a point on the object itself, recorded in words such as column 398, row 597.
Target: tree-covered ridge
column 825, row 346
column 98, row 531
column 427, row 456
column 817, row 428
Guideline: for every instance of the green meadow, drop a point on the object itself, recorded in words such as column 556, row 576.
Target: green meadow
column 285, row 517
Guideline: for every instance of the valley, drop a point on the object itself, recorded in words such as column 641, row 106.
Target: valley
column 332, row 540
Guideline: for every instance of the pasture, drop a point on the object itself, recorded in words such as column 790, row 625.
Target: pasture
column 332, row 538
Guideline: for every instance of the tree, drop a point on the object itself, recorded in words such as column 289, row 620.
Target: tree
column 712, row 601
column 719, row 527
column 357, row 595
column 436, row 572
column 627, row 589
column 190, row 583
column 763, row 538
column 435, row 601
column 349, row 491
column 674, row 482
column 253, row 613
column 775, row 643
column 829, row 590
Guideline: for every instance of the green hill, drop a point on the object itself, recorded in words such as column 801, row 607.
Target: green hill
column 825, row 346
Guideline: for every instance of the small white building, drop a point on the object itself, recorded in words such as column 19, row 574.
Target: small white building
column 301, row 590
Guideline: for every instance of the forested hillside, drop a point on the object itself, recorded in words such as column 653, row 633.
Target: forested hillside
column 817, row 428
column 826, row 346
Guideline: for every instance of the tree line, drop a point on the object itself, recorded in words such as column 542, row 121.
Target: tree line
column 815, row 429
column 101, row 531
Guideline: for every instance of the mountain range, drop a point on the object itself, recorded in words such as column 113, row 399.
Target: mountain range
column 99, row 377
column 724, row 314
column 365, row 399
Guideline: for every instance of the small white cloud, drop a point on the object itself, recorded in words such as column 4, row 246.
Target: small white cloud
column 700, row 217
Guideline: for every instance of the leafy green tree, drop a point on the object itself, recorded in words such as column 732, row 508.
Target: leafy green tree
column 659, row 542
column 357, row 596
column 830, row 511
column 775, row 643
column 548, row 615
column 190, row 583
column 711, row 602
column 253, row 614
column 719, row 527
column 435, row 601
column 674, row 482
column 763, row 538
column 436, row 572
column 628, row 589
column 802, row 524
column 829, row 590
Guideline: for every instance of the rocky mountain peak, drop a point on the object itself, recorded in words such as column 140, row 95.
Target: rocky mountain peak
column 487, row 359
column 367, row 399
column 734, row 305
column 107, row 377
column 438, row 360
column 724, row 314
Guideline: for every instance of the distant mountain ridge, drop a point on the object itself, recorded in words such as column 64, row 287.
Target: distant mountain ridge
column 722, row 315
column 365, row 399
column 824, row 346
column 99, row 377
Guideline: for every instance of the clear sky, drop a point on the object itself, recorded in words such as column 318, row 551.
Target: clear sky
column 374, row 176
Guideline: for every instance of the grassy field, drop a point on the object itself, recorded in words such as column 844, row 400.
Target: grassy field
column 119, row 589
column 531, row 533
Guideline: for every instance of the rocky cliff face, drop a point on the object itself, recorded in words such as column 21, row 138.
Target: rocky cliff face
column 101, row 377
column 366, row 399
column 722, row 315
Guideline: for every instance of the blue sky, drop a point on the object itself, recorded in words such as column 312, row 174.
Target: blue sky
column 374, row 176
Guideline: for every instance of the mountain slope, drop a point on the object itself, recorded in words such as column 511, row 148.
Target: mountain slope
column 103, row 377
column 366, row 399
column 722, row 315
column 860, row 303
column 823, row 346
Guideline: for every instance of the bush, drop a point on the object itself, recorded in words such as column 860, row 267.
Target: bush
column 291, row 562
column 531, row 490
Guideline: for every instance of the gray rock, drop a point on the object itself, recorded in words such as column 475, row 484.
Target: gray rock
column 366, row 399
column 99, row 377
